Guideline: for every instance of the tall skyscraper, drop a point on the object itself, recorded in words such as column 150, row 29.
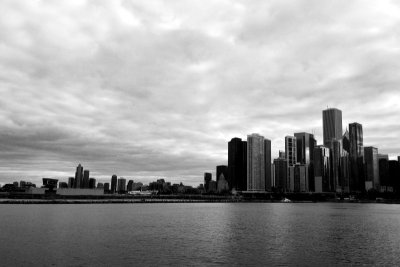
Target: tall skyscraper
column 305, row 144
column 71, row 181
column 371, row 168
column 323, row 181
column 121, row 185
column 78, row 176
column 114, row 180
column 356, row 157
column 332, row 125
column 255, row 163
column 237, row 164
column 129, row 187
column 92, row 183
column 207, row 180
column 346, row 141
column 281, row 168
column 85, row 183
column 267, row 158
column 291, row 150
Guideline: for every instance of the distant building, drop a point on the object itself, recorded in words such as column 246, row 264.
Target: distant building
column 305, row 143
column 222, row 169
column 280, row 165
column 121, row 185
column 100, row 185
column 268, row 164
column 237, row 164
column 207, row 180
column 62, row 185
column 282, row 154
column 114, row 180
column 300, row 178
column 85, row 179
column 256, row 163
column 79, row 176
column 394, row 175
column 323, row 181
column 346, row 141
column 332, row 125
column 356, row 157
column 384, row 173
column 71, row 182
column 291, row 150
column 371, row 168
column 222, row 184
column 212, row 187
column 130, row 185
column 106, row 187
column 92, row 183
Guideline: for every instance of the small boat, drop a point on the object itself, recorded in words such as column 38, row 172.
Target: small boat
column 286, row 200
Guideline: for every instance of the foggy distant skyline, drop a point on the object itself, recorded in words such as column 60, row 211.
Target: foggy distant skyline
column 147, row 89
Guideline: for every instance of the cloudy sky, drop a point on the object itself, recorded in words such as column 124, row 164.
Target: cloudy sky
column 147, row 89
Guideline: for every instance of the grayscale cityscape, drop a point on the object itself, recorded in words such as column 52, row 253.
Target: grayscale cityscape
column 199, row 133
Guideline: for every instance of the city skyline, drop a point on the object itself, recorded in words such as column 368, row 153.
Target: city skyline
column 153, row 90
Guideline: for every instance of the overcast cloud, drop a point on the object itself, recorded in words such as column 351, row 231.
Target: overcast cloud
column 147, row 89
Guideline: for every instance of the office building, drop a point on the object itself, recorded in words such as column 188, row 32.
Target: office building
column 207, row 180
column 121, row 185
column 71, row 181
column 100, row 185
column 384, row 173
column 267, row 163
column 322, row 173
column 130, row 186
column 300, row 178
column 114, row 180
column 332, row 125
column 79, row 176
column 106, row 187
column 222, row 169
column 281, row 168
column 255, row 163
column 394, row 175
column 92, row 183
column 371, row 168
column 336, row 154
column 85, row 183
column 346, row 141
column 290, row 150
column 356, row 157
column 237, row 164
column 305, row 143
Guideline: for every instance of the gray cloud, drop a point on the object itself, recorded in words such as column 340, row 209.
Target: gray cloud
column 157, row 89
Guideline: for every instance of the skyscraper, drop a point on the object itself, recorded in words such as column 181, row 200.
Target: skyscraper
column 121, row 185
column 222, row 169
column 85, row 183
column 207, row 180
column 267, row 158
column 92, row 183
column 237, row 164
column 78, row 176
column 281, row 169
column 290, row 150
column 371, row 168
column 356, row 157
column 71, row 182
column 114, row 180
column 332, row 125
column 305, row 143
column 323, row 181
column 255, row 163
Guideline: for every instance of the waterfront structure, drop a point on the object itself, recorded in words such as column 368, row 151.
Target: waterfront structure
column 371, row 168
column 207, row 180
column 222, row 169
column 121, row 185
column 78, row 176
column 267, row 163
column 237, row 164
column 86, row 179
column 322, row 177
column 291, row 150
column 255, row 163
column 281, row 169
column 114, row 180
column 71, row 182
column 332, row 125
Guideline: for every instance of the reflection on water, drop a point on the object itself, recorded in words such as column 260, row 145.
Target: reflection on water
column 201, row 234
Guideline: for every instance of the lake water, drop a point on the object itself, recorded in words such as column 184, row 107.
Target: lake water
column 203, row 234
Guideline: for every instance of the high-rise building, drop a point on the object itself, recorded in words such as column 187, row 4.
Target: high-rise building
column 346, row 141
column 71, row 182
column 222, row 169
column 371, row 168
column 291, row 150
column 121, row 185
column 332, row 125
column 267, row 158
column 336, row 154
column 255, row 163
column 323, row 181
column 100, row 185
column 300, row 178
column 79, row 176
column 92, row 183
column 237, row 164
column 356, row 157
column 130, row 186
column 207, row 180
column 85, row 183
column 114, row 180
column 106, row 187
column 281, row 166
column 394, row 175
column 384, row 173
column 305, row 144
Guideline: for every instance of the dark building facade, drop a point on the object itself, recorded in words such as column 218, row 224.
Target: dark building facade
column 114, row 180
column 268, row 165
column 92, row 183
column 280, row 165
column 86, row 179
column 322, row 173
column 356, row 157
column 305, row 143
column 207, row 180
column 371, row 168
column 332, row 125
column 237, row 164
column 79, row 176
column 222, row 169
